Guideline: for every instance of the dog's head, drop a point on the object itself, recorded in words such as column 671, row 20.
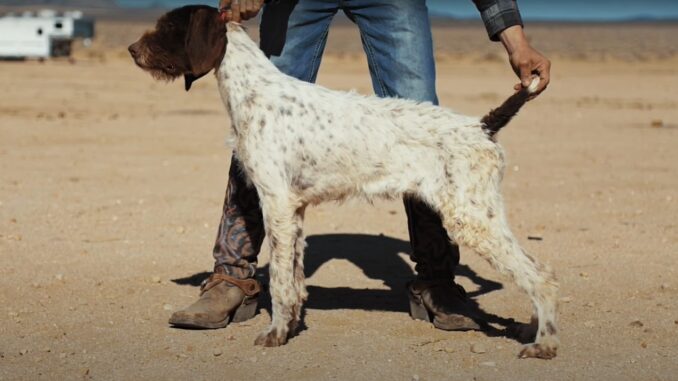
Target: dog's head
column 188, row 41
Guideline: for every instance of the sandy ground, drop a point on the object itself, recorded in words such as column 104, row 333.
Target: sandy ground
column 111, row 187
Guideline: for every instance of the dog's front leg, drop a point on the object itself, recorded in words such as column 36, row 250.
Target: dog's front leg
column 282, row 232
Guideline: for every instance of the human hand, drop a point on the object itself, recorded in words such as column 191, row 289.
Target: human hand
column 525, row 60
column 237, row 10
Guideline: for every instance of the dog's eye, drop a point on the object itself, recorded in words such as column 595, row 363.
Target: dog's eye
column 170, row 67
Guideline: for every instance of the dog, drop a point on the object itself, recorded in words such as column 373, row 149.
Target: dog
column 300, row 144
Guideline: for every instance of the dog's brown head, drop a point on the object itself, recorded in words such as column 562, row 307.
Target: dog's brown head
column 188, row 41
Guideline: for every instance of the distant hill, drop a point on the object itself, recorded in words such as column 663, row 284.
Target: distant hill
column 97, row 9
column 60, row 3
column 627, row 11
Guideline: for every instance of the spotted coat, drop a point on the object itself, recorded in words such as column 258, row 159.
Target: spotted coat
column 302, row 144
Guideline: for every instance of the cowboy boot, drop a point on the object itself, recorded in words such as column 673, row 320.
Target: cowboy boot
column 230, row 294
column 223, row 299
column 443, row 303
column 434, row 297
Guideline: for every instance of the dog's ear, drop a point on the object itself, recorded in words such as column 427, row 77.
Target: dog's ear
column 190, row 78
column 205, row 44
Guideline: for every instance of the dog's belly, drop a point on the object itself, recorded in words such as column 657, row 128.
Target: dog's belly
column 335, row 175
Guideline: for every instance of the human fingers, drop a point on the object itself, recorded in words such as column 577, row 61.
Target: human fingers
column 235, row 12
column 249, row 9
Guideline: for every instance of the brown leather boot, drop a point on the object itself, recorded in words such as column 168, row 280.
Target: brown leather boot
column 222, row 299
column 443, row 303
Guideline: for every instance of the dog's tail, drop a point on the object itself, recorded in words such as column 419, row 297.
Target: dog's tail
column 499, row 117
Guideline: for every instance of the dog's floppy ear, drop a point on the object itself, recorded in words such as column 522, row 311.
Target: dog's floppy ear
column 205, row 44
column 190, row 78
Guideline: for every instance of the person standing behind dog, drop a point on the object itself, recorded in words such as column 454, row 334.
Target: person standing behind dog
column 397, row 39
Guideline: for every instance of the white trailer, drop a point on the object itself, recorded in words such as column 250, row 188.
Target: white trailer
column 43, row 35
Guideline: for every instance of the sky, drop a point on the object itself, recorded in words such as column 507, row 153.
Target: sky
column 571, row 10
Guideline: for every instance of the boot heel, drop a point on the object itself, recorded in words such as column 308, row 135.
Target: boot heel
column 417, row 309
column 246, row 311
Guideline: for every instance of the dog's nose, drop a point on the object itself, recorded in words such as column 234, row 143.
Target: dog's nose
column 133, row 50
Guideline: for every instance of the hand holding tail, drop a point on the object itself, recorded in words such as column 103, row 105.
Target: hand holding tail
column 499, row 117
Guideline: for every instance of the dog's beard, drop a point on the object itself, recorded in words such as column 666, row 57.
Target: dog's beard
column 161, row 75
column 157, row 73
column 158, row 66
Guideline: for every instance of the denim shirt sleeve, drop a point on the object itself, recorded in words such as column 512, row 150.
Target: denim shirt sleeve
column 498, row 15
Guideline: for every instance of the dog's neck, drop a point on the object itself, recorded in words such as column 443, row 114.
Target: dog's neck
column 243, row 74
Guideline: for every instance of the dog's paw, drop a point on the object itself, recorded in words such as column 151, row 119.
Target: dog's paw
column 271, row 338
column 539, row 351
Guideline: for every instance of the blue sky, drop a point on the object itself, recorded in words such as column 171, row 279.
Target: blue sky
column 576, row 10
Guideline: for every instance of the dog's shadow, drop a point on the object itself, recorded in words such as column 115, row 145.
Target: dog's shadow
column 379, row 258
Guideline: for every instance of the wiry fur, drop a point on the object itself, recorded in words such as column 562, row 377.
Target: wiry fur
column 302, row 144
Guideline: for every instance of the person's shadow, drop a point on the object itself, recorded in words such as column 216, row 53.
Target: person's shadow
column 378, row 257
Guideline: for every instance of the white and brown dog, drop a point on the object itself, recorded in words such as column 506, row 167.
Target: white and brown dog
column 302, row 144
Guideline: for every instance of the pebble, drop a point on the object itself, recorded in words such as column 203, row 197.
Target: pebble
column 156, row 279
column 167, row 307
column 566, row 299
column 415, row 377
column 589, row 304
column 217, row 352
column 636, row 324
column 643, row 345
column 477, row 348
column 657, row 123
column 181, row 230
column 23, row 352
column 491, row 364
column 59, row 277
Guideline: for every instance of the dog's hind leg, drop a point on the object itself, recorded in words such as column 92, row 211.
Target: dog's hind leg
column 480, row 224
column 280, row 218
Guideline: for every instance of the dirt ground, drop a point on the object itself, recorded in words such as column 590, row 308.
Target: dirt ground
column 111, row 188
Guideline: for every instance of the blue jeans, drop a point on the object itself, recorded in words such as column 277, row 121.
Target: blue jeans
column 396, row 36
